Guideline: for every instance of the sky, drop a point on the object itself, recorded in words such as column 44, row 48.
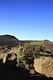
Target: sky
column 27, row 19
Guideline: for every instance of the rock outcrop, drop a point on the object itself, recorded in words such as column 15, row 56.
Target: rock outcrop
column 44, row 65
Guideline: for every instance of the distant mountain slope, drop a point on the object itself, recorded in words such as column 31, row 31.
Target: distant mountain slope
column 12, row 41
column 8, row 40
column 48, row 45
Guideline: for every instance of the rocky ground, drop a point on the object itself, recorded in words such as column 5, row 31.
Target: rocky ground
column 11, row 72
column 40, row 69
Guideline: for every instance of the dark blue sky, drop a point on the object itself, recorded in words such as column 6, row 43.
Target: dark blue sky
column 27, row 19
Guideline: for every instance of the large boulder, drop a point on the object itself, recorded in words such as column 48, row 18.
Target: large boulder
column 44, row 65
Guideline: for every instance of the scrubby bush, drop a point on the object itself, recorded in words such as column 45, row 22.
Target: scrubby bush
column 27, row 52
column 20, row 57
column 31, row 50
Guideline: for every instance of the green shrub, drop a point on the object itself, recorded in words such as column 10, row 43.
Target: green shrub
column 20, row 56
column 27, row 52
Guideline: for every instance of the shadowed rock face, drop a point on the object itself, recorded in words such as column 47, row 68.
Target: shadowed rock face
column 44, row 65
column 9, row 72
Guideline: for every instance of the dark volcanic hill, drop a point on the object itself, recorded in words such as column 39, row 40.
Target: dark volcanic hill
column 48, row 45
column 8, row 40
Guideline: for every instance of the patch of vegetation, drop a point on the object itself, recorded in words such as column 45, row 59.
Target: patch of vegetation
column 27, row 53
column 20, row 57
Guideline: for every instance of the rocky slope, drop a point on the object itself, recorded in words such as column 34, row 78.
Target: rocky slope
column 9, row 54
